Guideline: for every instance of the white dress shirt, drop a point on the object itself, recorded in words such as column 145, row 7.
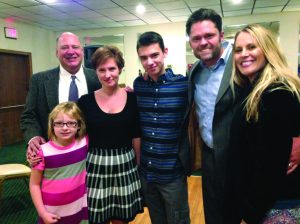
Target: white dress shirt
column 65, row 81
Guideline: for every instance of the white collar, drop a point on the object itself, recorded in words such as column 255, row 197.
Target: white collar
column 65, row 74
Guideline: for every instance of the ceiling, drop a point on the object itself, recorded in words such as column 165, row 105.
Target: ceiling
column 93, row 14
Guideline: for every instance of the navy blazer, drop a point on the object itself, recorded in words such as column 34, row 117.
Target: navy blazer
column 225, row 106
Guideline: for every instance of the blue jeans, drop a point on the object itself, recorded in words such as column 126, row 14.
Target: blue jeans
column 167, row 203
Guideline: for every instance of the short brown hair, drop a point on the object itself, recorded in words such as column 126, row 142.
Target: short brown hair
column 201, row 15
column 103, row 53
column 73, row 111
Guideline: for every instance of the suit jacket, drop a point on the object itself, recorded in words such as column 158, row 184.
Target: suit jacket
column 43, row 97
column 225, row 106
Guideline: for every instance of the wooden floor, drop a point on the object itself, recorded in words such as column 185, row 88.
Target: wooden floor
column 195, row 203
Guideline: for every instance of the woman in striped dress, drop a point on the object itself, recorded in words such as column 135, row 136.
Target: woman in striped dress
column 114, row 188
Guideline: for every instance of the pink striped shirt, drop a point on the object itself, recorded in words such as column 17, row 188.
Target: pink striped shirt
column 63, row 185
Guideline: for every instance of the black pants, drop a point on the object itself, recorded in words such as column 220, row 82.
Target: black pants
column 211, row 189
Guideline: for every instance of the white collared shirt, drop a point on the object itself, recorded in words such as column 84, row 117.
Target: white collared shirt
column 64, row 84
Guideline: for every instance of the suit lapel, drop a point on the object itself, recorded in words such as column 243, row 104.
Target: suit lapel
column 51, row 88
column 226, row 79
column 91, row 80
column 194, row 70
column 88, row 80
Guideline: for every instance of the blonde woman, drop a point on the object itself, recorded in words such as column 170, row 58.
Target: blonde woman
column 262, row 133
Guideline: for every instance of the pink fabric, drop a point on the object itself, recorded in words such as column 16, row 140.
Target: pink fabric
column 64, row 187
column 63, row 198
column 65, row 184
column 40, row 165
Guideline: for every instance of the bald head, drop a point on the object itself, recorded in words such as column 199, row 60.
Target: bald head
column 69, row 52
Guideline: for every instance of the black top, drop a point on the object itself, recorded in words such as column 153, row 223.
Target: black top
column 259, row 157
column 110, row 130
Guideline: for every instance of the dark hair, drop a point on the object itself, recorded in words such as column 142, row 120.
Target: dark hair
column 201, row 15
column 106, row 52
column 149, row 38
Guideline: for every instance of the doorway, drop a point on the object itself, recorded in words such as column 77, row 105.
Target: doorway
column 15, row 72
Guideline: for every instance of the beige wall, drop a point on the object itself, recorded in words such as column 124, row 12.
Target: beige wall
column 32, row 39
column 41, row 42
column 289, row 32
column 174, row 37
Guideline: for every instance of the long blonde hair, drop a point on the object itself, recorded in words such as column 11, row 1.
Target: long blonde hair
column 275, row 71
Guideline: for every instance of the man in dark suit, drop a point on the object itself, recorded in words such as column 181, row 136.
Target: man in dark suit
column 211, row 95
column 49, row 88
column 212, row 103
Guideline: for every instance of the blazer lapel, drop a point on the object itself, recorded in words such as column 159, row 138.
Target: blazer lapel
column 88, row 80
column 51, row 88
column 91, row 80
column 226, row 79
column 192, row 75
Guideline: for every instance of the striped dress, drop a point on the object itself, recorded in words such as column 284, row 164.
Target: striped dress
column 63, row 185
column 113, row 182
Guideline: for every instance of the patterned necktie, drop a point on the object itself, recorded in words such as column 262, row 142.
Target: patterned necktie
column 73, row 91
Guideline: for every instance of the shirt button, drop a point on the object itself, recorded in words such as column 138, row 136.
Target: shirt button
column 156, row 90
column 151, row 147
column 155, row 104
column 154, row 118
column 153, row 133
column 149, row 162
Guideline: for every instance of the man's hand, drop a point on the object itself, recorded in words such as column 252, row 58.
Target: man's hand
column 145, row 76
column 33, row 149
column 295, row 155
column 128, row 89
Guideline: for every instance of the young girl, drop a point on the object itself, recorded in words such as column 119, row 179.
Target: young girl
column 57, row 183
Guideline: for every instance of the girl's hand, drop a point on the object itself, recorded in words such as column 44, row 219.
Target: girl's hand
column 49, row 218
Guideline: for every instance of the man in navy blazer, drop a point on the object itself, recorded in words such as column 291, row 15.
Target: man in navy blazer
column 213, row 104
column 51, row 87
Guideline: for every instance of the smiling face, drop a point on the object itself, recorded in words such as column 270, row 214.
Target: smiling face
column 108, row 73
column 65, row 128
column 205, row 40
column 248, row 56
column 152, row 58
column 69, row 52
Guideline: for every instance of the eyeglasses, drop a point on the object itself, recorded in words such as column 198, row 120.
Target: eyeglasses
column 70, row 124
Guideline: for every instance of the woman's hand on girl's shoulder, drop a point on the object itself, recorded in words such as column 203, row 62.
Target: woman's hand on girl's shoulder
column 128, row 89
